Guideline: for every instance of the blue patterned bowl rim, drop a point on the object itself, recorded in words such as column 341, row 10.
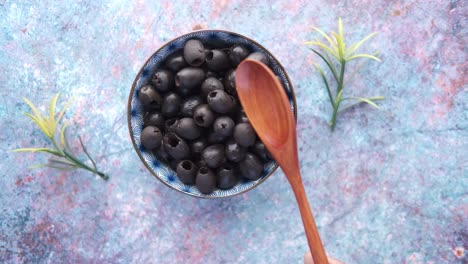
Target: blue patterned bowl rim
column 135, row 119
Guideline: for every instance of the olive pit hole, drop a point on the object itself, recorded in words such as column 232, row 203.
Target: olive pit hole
column 199, row 119
column 209, row 55
column 171, row 122
column 196, row 61
column 173, row 141
column 187, row 165
column 213, row 94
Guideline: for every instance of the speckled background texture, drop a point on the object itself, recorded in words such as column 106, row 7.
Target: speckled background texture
column 388, row 186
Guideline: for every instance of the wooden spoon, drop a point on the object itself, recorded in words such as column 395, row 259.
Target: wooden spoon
column 268, row 109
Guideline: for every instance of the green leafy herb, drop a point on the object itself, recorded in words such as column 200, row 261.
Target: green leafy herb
column 65, row 160
column 337, row 48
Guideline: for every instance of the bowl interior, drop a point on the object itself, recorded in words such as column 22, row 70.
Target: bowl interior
column 213, row 38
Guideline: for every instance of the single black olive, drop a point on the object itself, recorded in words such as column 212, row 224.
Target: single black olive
column 226, row 177
column 251, row 167
column 154, row 119
column 213, row 155
column 171, row 104
column 187, row 128
column 151, row 137
column 163, row 80
column 187, row 170
column 244, row 134
column 203, row 115
column 149, row 98
column 194, row 52
column 221, row 102
column 176, row 146
column 205, row 180
column 234, row 152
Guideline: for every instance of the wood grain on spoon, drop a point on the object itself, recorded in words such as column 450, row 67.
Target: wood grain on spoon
column 267, row 107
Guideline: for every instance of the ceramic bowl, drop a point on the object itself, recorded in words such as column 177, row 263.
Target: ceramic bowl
column 162, row 171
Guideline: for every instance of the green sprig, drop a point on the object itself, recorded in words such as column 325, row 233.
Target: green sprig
column 48, row 125
column 337, row 48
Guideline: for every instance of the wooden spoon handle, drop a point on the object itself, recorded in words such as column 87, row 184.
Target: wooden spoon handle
column 313, row 237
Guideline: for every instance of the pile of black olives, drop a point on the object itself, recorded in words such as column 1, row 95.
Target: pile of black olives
column 194, row 122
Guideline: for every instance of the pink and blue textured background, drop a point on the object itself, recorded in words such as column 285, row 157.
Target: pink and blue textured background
column 387, row 186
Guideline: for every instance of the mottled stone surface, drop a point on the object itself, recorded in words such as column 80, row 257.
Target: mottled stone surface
column 388, row 186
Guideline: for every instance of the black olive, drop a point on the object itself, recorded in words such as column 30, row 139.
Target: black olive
column 226, row 177
column 244, row 134
column 234, row 152
column 194, row 52
column 197, row 146
column 251, row 167
column 151, row 137
column 171, row 125
column 175, row 62
column 214, row 137
column 149, row 97
column 217, row 60
column 261, row 151
column 230, row 82
column 187, row 128
column 154, row 119
column 203, row 115
column 163, row 80
column 221, row 102
column 171, row 105
column 237, row 53
column 213, row 155
column 187, row 170
column 224, row 126
column 205, row 180
column 210, row 84
column 189, row 105
column 176, row 146
column 188, row 79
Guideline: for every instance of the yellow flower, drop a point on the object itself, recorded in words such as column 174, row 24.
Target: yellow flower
column 337, row 46
column 47, row 124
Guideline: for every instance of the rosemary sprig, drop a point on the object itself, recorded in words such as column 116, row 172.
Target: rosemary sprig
column 337, row 48
column 65, row 160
